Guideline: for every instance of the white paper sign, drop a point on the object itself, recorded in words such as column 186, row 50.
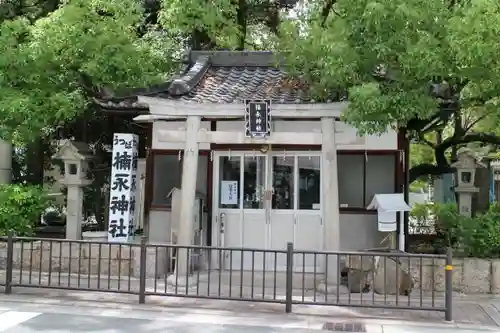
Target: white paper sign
column 229, row 192
column 123, row 185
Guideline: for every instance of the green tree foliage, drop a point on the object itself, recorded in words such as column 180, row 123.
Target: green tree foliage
column 420, row 154
column 51, row 67
column 428, row 68
column 56, row 57
column 422, row 66
column 217, row 20
column 20, row 208
column 224, row 24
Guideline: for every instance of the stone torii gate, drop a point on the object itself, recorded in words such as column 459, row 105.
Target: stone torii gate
column 193, row 136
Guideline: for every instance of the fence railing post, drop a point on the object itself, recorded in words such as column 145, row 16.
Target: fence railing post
column 10, row 263
column 142, row 271
column 449, row 285
column 289, row 277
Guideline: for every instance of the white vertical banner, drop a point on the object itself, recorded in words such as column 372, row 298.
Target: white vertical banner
column 123, row 185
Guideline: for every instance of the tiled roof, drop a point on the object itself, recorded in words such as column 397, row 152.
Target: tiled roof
column 226, row 77
column 235, row 84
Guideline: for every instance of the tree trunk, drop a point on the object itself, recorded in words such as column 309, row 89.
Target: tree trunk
column 458, row 130
column 201, row 41
column 35, row 157
column 242, row 22
column 5, row 162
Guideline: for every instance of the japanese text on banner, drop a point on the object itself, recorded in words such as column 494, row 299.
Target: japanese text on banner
column 123, row 187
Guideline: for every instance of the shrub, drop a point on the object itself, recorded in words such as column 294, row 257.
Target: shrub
column 422, row 219
column 20, row 208
column 449, row 225
column 481, row 234
column 53, row 216
column 477, row 236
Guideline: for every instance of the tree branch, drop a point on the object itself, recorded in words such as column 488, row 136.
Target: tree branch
column 442, row 165
column 427, row 142
column 468, row 127
column 327, row 9
column 423, row 126
column 472, row 137
column 426, row 169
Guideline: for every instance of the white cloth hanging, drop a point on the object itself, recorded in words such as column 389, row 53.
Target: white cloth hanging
column 386, row 220
column 385, row 216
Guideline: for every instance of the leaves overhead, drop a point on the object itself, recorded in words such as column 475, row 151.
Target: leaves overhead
column 50, row 68
column 388, row 53
column 56, row 56
column 420, row 64
column 217, row 19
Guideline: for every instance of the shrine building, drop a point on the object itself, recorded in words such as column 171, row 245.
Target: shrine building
column 256, row 162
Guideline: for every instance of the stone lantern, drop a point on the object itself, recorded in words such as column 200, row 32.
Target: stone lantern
column 466, row 166
column 75, row 156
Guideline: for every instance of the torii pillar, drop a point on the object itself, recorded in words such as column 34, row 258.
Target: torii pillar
column 188, row 196
column 330, row 205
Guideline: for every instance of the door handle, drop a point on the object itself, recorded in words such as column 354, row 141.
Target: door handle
column 222, row 254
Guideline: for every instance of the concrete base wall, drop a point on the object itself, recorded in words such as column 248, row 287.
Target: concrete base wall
column 73, row 258
column 83, row 258
column 470, row 275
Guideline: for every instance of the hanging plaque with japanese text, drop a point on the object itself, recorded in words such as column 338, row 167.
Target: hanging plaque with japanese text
column 123, row 187
column 257, row 118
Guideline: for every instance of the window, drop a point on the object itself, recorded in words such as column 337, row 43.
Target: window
column 309, row 194
column 167, row 174
column 283, row 182
column 362, row 176
column 229, row 186
column 351, row 180
column 380, row 176
column 254, row 182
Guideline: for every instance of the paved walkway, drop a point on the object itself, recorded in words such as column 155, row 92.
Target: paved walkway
column 18, row 320
column 33, row 313
column 476, row 310
column 467, row 310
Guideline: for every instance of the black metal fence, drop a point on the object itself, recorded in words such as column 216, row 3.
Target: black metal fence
column 386, row 280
